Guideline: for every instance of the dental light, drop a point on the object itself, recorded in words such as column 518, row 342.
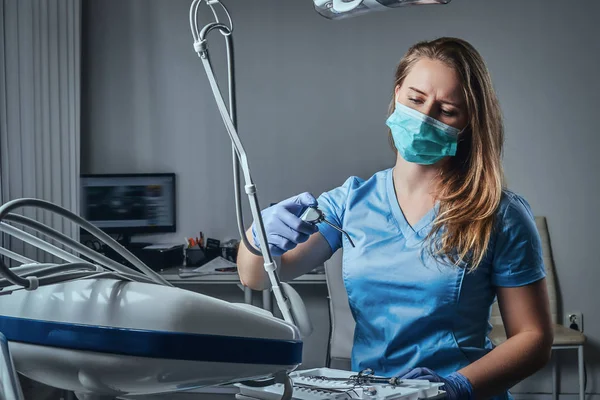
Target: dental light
column 90, row 325
column 338, row 9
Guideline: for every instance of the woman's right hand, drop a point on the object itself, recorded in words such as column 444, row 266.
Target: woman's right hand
column 283, row 226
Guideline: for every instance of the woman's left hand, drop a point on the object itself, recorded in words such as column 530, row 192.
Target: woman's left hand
column 457, row 387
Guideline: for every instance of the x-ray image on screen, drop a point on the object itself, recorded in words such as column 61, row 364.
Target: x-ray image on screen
column 106, row 203
column 132, row 203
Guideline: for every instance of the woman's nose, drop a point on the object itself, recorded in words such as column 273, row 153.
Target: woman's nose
column 429, row 109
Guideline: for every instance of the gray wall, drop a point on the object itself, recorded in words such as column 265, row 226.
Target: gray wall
column 312, row 97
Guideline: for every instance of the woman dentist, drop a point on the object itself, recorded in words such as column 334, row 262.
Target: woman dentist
column 437, row 238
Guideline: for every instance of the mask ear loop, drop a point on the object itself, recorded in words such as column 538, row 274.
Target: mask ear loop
column 459, row 137
column 464, row 129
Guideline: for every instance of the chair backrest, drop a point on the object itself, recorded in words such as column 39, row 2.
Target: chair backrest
column 542, row 227
column 342, row 321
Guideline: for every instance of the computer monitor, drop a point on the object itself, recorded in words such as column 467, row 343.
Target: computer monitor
column 129, row 204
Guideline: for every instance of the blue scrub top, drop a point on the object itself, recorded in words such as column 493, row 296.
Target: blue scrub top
column 411, row 311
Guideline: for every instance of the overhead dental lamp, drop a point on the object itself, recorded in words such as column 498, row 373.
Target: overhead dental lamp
column 337, row 9
column 103, row 330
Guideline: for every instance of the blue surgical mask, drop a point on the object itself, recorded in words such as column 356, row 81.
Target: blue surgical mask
column 419, row 138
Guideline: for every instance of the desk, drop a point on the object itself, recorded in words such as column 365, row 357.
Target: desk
column 172, row 276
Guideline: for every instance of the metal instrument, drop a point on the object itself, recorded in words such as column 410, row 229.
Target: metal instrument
column 364, row 377
column 314, row 216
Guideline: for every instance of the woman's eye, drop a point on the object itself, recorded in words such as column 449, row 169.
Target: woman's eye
column 416, row 101
column 448, row 113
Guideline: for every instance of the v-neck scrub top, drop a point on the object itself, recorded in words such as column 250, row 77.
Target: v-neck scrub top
column 410, row 310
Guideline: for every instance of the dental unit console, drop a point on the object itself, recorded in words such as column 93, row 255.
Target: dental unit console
column 85, row 323
column 327, row 383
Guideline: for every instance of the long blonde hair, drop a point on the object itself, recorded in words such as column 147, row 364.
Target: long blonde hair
column 471, row 183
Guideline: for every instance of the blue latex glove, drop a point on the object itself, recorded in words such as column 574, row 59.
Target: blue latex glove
column 456, row 386
column 285, row 230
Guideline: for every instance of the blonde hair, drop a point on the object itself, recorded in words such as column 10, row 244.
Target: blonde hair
column 471, row 182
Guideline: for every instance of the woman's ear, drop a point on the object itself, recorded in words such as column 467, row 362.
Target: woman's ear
column 397, row 93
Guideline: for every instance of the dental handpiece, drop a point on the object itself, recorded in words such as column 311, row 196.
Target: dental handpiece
column 313, row 215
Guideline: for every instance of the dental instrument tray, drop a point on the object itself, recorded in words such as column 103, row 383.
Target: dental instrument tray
column 327, row 383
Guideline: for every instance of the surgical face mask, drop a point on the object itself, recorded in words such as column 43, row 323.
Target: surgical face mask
column 419, row 138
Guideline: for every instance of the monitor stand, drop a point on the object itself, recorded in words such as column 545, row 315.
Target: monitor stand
column 126, row 242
